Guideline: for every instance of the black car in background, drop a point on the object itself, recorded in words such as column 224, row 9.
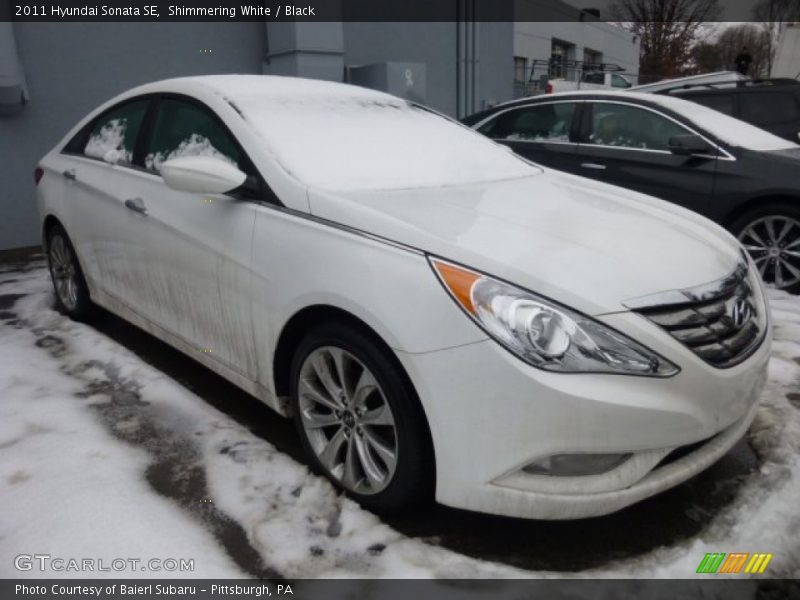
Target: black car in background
column 736, row 174
column 772, row 104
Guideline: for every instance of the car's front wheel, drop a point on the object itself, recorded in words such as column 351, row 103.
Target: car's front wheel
column 359, row 421
column 771, row 234
column 72, row 294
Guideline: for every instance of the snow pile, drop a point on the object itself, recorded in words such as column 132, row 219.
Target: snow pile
column 194, row 145
column 111, row 136
column 87, row 431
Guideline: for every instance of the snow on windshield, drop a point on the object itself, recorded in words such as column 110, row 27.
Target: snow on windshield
column 372, row 141
column 727, row 129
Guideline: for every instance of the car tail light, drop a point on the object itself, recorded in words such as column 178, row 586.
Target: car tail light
column 38, row 172
column 548, row 89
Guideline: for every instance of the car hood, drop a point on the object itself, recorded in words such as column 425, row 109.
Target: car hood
column 586, row 244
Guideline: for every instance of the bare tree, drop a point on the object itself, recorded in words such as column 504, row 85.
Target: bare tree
column 757, row 41
column 668, row 31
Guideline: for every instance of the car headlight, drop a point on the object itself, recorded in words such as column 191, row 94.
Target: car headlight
column 543, row 333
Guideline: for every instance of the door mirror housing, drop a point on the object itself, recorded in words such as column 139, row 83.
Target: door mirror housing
column 201, row 175
column 689, row 144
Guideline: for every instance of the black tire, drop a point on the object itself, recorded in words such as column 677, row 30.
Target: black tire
column 59, row 248
column 780, row 210
column 412, row 481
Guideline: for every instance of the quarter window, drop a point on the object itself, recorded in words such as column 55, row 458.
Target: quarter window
column 186, row 129
column 721, row 102
column 618, row 81
column 631, row 127
column 116, row 131
column 768, row 108
column 540, row 123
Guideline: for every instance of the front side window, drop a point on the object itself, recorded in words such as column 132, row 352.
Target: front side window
column 116, row 131
column 628, row 126
column 186, row 129
column 540, row 123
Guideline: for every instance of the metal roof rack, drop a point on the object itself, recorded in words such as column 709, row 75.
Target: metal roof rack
column 571, row 65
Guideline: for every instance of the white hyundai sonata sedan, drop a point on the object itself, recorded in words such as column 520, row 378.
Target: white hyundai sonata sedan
column 437, row 315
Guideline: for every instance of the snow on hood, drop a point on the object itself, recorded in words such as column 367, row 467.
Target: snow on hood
column 589, row 245
column 337, row 136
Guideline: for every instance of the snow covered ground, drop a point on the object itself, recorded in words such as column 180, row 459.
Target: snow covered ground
column 102, row 456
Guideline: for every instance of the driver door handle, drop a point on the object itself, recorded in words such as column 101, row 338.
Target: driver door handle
column 595, row 166
column 136, row 205
column 70, row 174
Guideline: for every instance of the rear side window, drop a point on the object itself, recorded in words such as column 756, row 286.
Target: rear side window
column 115, row 131
column 186, row 129
column 768, row 108
column 721, row 102
column 539, row 123
column 629, row 126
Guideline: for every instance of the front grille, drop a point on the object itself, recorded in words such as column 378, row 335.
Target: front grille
column 722, row 323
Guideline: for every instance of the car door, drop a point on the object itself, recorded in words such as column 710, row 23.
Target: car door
column 628, row 145
column 541, row 132
column 197, row 246
column 98, row 174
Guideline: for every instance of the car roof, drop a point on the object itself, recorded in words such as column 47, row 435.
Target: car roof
column 578, row 95
column 269, row 87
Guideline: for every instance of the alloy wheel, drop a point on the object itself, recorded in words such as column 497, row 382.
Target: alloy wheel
column 347, row 420
column 64, row 272
column 774, row 243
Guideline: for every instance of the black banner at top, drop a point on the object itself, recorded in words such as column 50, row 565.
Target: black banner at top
column 335, row 10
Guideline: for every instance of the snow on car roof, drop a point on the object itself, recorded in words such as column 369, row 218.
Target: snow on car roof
column 724, row 127
column 339, row 136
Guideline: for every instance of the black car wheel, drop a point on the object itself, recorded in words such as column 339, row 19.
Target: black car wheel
column 359, row 422
column 771, row 234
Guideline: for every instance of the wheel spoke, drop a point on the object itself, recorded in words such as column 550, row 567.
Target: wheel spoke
column 386, row 453
column 365, row 386
column 769, row 225
column 751, row 232
column 350, row 459
column 309, row 391
column 316, row 420
column 374, row 473
column 378, row 416
column 338, row 357
column 778, row 275
column 787, row 226
column 323, row 371
column 793, row 270
column 331, row 451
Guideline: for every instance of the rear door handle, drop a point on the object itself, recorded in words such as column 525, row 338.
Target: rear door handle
column 136, row 205
column 70, row 174
column 595, row 166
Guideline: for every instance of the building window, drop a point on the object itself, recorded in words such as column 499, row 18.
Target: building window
column 592, row 57
column 561, row 52
column 520, row 69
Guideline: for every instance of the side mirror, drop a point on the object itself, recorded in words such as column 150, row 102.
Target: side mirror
column 689, row 144
column 201, row 175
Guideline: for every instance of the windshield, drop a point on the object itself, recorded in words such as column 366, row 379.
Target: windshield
column 375, row 141
column 727, row 129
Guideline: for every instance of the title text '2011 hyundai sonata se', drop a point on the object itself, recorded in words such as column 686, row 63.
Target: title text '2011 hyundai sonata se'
column 437, row 315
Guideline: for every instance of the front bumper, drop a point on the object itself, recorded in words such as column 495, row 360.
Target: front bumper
column 490, row 415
